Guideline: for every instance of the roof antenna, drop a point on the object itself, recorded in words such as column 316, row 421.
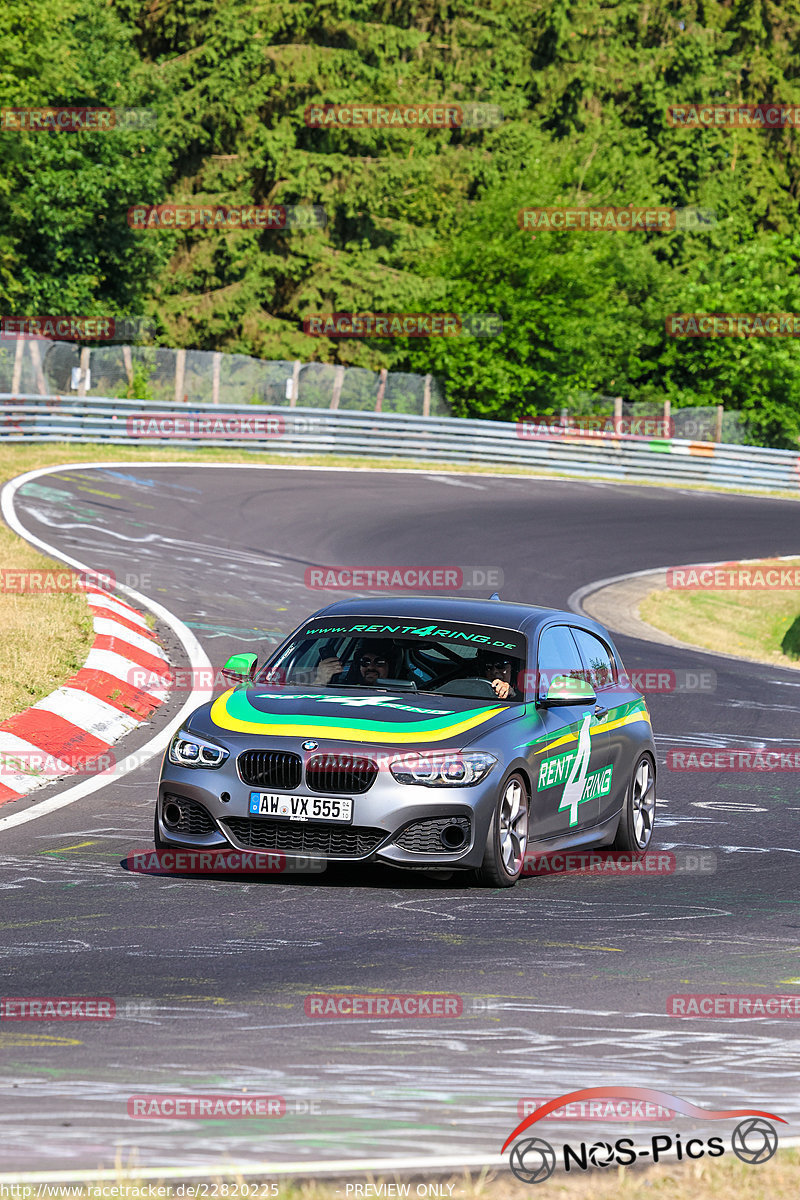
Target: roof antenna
column 494, row 596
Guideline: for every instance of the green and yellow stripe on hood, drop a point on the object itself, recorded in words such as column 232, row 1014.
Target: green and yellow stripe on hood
column 233, row 711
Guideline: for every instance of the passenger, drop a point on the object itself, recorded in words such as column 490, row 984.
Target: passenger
column 373, row 660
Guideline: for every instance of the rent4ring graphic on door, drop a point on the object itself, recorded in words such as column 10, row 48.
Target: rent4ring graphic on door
column 572, row 768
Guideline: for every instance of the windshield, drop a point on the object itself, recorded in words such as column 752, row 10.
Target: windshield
column 455, row 659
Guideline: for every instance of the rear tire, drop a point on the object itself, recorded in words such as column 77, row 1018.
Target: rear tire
column 639, row 810
column 507, row 838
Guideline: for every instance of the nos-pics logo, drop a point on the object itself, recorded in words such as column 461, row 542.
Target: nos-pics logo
column 533, row 1160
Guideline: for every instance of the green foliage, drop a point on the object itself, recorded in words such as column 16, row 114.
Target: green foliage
column 422, row 221
column 790, row 643
column 64, row 242
column 139, row 387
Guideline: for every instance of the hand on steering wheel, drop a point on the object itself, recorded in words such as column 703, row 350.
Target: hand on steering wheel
column 327, row 669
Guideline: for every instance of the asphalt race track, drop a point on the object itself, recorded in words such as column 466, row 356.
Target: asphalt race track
column 565, row 979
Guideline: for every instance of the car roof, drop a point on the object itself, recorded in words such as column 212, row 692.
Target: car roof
column 501, row 613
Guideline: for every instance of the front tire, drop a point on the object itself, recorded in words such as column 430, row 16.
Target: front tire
column 639, row 810
column 507, row 838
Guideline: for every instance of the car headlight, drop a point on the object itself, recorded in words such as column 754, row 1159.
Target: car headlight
column 188, row 750
column 441, row 769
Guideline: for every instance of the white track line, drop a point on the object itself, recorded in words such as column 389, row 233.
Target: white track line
column 196, row 654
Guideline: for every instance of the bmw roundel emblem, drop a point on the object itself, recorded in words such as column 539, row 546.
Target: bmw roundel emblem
column 310, row 745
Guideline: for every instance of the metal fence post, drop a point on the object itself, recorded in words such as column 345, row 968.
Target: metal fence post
column 338, row 380
column 17, row 372
column 36, row 359
column 85, row 361
column 381, row 390
column 180, row 372
column 215, row 369
column 127, row 359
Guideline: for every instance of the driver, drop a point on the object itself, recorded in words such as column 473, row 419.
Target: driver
column 499, row 671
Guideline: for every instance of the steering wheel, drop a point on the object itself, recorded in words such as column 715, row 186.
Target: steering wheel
column 472, row 685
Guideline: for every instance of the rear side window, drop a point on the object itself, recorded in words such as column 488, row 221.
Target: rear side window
column 558, row 655
column 597, row 659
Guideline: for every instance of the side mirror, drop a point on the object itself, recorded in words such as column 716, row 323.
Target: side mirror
column 240, row 668
column 564, row 689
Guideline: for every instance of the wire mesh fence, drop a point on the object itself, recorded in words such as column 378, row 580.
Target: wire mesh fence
column 36, row 366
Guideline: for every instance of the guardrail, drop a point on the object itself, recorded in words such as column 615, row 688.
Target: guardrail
column 288, row 430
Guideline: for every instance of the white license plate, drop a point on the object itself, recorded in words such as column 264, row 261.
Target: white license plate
column 300, row 808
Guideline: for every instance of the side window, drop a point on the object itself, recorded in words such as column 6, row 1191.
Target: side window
column 558, row 655
column 597, row 658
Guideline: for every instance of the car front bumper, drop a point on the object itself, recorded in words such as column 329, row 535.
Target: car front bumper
column 396, row 823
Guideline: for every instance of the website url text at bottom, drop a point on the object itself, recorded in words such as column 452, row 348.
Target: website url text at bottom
column 138, row 1191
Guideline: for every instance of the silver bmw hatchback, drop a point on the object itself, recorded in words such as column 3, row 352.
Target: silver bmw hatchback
column 444, row 734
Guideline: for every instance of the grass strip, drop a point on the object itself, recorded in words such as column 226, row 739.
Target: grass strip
column 750, row 623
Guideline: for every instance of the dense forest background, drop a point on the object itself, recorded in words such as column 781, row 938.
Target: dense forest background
column 420, row 221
